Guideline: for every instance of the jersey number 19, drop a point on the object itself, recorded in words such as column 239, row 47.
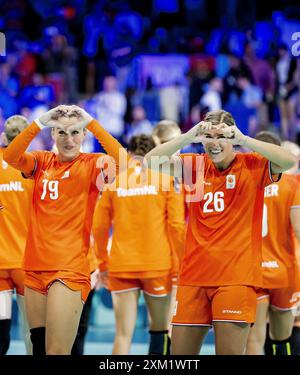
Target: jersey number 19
column 51, row 187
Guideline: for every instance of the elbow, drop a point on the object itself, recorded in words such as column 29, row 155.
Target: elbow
column 7, row 157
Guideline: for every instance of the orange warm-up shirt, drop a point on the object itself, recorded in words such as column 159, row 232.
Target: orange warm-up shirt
column 223, row 243
column 15, row 203
column 64, row 198
column 148, row 223
column 279, row 256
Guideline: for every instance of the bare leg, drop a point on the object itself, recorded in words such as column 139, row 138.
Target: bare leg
column 24, row 324
column 281, row 324
column 231, row 338
column 257, row 336
column 64, row 307
column 125, row 308
column 35, row 307
column 188, row 340
column 159, row 309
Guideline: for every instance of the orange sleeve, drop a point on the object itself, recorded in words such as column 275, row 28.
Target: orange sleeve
column 101, row 225
column 15, row 154
column 176, row 222
column 109, row 143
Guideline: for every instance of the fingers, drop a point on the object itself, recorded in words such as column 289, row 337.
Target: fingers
column 205, row 126
column 228, row 132
column 222, row 125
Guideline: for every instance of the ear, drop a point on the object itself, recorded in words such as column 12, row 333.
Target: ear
column 4, row 139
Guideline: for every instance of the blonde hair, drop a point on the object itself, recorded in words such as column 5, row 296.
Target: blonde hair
column 15, row 120
column 165, row 131
column 219, row 117
column 292, row 147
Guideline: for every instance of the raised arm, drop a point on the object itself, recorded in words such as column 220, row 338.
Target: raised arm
column 15, row 154
column 109, row 143
column 281, row 159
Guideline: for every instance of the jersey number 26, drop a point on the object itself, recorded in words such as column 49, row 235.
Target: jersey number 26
column 213, row 202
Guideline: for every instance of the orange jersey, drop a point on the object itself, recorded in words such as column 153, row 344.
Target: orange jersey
column 147, row 224
column 279, row 258
column 64, row 198
column 15, row 202
column 223, row 244
column 63, row 204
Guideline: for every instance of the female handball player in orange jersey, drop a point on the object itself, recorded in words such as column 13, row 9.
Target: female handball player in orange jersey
column 64, row 196
column 222, row 262
column 147, row 221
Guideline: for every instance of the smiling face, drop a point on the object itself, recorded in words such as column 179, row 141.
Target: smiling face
column 218, row 150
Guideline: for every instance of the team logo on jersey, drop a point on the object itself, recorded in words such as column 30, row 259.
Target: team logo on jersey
column 230, row 181
column 1, row 206
column 4, row 164
column 66, row 175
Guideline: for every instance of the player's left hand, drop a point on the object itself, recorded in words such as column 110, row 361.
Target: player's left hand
column 232, row 134
column 83, row 118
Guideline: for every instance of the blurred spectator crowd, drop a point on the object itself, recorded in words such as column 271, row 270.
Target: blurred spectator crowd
column 132, row 63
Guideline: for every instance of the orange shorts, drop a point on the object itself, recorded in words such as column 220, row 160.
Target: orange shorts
column 204, row 305
column 159, row 286
column 12, row 279
column 41, row 281
column 281, row 299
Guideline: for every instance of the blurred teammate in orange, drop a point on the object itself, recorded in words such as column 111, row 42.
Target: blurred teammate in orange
column 221, row 264
column 281, row 287
column 147, row 221
column 57, row 278
column 163, row 132
column 15, row 201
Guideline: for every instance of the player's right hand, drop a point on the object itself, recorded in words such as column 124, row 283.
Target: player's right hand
column 50, row 118
column 196, row 133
